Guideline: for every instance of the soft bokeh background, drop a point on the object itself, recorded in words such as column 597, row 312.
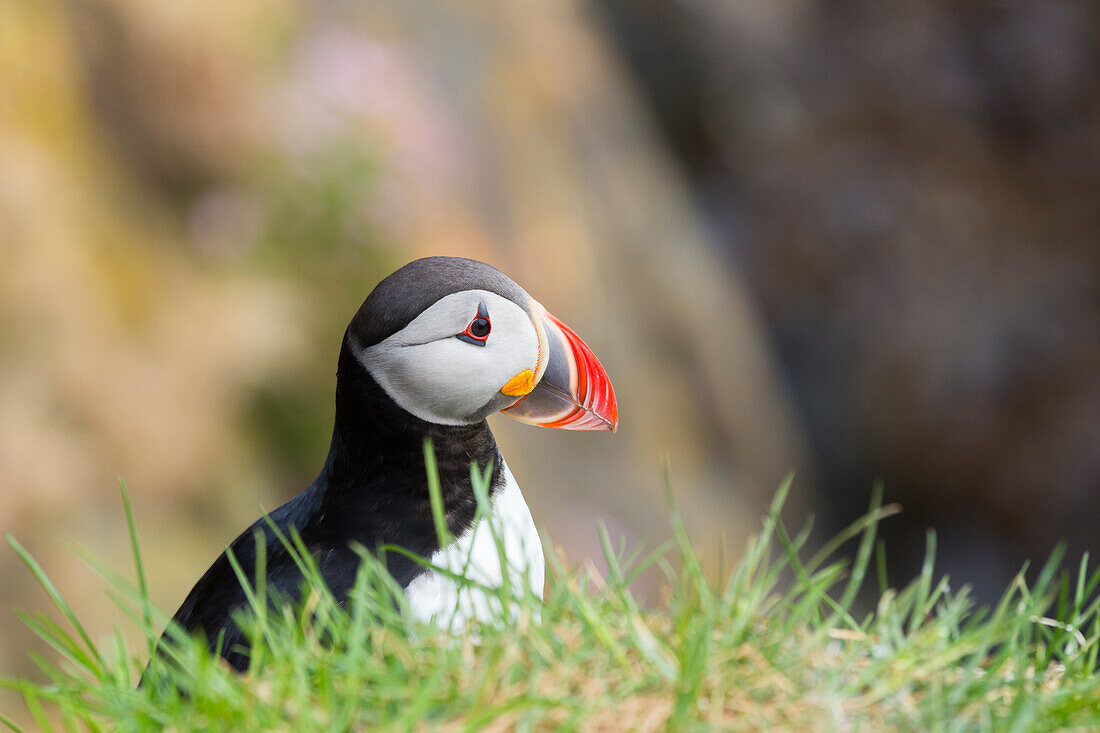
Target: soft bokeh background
column 856, row 239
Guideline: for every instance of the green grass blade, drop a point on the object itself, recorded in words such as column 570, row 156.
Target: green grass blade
column 139, row 567
column 58, row 600
column 9, row 723
column 435, row 495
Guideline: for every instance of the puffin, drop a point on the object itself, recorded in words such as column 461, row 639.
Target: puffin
column 436, row 347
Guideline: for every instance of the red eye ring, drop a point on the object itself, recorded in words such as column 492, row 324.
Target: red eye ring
column 477, row 330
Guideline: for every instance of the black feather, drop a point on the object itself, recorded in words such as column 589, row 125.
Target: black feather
column 372, row 491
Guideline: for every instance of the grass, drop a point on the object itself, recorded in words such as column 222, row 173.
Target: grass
column 777, row 645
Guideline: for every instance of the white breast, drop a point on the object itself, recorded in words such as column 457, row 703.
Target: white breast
column 439, row 599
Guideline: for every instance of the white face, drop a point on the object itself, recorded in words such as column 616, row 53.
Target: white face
column 440, row 378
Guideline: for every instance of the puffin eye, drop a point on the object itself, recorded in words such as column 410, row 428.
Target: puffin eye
column 477, row 332
column 479, row 328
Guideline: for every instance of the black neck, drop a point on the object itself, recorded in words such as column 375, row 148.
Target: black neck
column 375, row 475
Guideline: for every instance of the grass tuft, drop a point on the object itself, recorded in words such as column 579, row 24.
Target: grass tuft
column 782, row 642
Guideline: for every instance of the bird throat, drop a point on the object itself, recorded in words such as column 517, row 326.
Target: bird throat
column 374, row 481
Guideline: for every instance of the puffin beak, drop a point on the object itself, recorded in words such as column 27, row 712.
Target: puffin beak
column 573, row 391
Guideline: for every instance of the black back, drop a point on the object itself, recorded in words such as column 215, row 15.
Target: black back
column 372, row 491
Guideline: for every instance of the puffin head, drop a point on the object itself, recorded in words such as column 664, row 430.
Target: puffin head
column 453, row 340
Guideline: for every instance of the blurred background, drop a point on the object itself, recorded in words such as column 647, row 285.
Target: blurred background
column 850, row 238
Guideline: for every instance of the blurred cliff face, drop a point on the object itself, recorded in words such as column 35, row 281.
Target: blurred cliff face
column 913, row 194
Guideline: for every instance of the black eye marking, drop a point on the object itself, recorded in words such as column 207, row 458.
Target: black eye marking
column 477, row 332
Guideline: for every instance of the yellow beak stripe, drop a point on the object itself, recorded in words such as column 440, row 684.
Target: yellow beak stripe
column 520, row 384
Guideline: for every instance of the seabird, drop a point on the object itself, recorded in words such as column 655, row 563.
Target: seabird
column 436, row 347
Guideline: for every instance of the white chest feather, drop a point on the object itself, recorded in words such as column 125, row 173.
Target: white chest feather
column 437, row 598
